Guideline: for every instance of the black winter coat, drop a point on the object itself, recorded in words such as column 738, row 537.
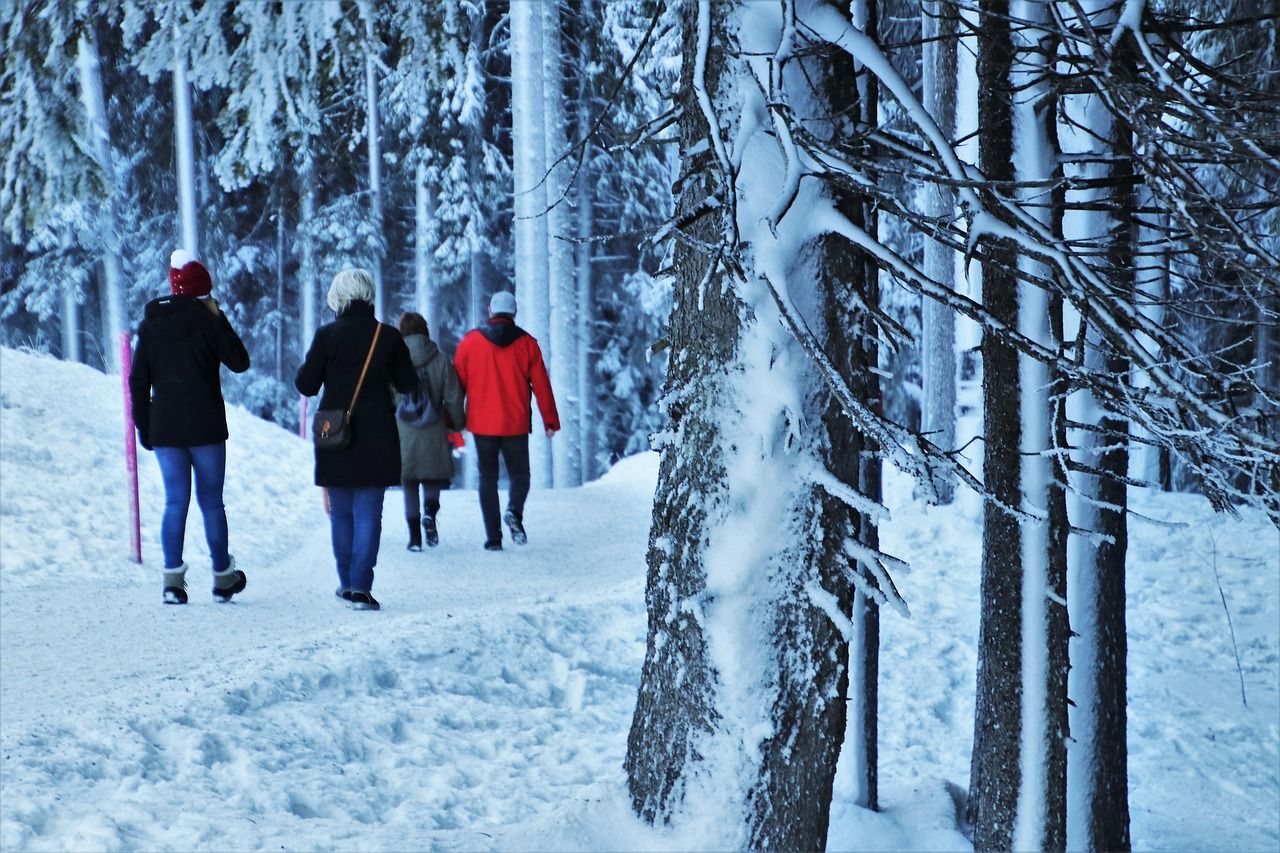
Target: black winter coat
column 175, row 382
column 334, row 361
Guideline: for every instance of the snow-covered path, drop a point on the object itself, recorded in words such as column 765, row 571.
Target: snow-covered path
column 487, row 692
column 487, row 705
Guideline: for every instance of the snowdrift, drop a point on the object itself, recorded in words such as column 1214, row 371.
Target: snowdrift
column 487, row 705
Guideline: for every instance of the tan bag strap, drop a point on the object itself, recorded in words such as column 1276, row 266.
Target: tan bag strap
column 376, row 329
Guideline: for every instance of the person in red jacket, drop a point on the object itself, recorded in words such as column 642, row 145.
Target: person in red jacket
column 498, row 365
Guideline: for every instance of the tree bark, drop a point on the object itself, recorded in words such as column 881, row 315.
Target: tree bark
column 1037, row 162
column 585, row 228
column 741, row 712
column 373, row 132
column 185, row 149
column 1099, row 772
column 996, row 773
column 562, row 348
column 528, row 135
column 424, row 291
column 99, row 135
column 941, row 29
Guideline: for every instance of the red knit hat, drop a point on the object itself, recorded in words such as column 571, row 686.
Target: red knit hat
column 188, row 276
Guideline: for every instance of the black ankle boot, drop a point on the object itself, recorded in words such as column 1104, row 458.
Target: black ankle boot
column 433, row 533
column 415, row 532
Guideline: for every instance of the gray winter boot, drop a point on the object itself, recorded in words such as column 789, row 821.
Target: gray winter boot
column 227, row 583
column 175, row 585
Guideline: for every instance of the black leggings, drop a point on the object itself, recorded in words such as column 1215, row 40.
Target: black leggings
column 430, row 497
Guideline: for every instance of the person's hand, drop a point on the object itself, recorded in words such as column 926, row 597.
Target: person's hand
column 551, row 432
column 212, row 305
column 325, row 492
column 144, row 439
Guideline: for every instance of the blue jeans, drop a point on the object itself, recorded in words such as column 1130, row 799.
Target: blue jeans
column 209, row 461
column 355, row 522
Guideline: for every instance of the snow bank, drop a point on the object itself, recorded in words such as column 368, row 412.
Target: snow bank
column 487, row 706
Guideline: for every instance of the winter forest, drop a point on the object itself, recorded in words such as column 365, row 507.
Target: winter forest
column 1023, row 254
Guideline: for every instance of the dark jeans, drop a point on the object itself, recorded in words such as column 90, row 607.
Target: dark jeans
column 355, row 522
column 515, row 453
column 430, row 497
column 209, row 461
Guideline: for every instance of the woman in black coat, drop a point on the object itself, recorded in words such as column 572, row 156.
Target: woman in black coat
column 176, row 392
column 356, row 477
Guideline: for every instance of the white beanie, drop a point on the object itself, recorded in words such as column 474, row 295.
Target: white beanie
column 503, row 302
column 350, row 285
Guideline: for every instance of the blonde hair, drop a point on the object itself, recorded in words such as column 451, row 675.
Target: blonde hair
column 350, row 285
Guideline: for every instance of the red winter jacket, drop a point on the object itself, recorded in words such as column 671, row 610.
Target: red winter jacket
column 498, row 364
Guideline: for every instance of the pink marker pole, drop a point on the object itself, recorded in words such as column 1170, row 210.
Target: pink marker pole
column 130, row 450
column 302, row 416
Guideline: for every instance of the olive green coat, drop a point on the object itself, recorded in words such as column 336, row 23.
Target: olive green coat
column 425, row 453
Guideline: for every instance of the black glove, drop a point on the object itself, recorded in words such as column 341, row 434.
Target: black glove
column 144, row 439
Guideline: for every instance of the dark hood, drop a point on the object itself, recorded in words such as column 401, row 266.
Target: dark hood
column 176, row 316
column 502, row 331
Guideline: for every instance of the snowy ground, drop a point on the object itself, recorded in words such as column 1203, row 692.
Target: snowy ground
column 487, row 705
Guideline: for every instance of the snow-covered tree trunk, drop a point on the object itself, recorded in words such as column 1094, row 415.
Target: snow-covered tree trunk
column 995, row 776
column 853, row 458
column 99, row 136
column 1151, row 280
column 374, row 135
column 71, row 347
column 279, row 307
column 1041, row 823
column 586, row 201
column 184, row 146
column 528, row 140
column 307, row 270
column 940, row 29
column 1098, row 771
column 562, row 287
column 741, row 711
column 424, row 278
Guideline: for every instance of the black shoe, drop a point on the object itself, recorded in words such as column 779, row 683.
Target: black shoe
column 493, row 546
column 364, row 601
column 175, row 595
column 228, row 582
column 429, row 527
column 415, row 534
column 517, row 529
column 344, row 594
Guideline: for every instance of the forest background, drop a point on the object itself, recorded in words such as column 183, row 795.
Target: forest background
column 1028, row 249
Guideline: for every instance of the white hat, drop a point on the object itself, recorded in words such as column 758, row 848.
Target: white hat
column 503, row 302
column 350, row 285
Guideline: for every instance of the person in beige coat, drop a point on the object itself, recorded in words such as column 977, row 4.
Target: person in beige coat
column 425, row 420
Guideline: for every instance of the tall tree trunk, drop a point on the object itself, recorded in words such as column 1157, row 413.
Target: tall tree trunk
column 586, row 225
column 425, row 300
column 941, row 30
column 1041, row 821
column 99, row 135
column 307, row 271
column 995, row 776
column 562, row 351
column 71, row 347
column 862, row 467
column 528, row 140
column 185, row 148
column 375, row 152
column 741, row 713
column 279, row 307
column 1099, row 760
